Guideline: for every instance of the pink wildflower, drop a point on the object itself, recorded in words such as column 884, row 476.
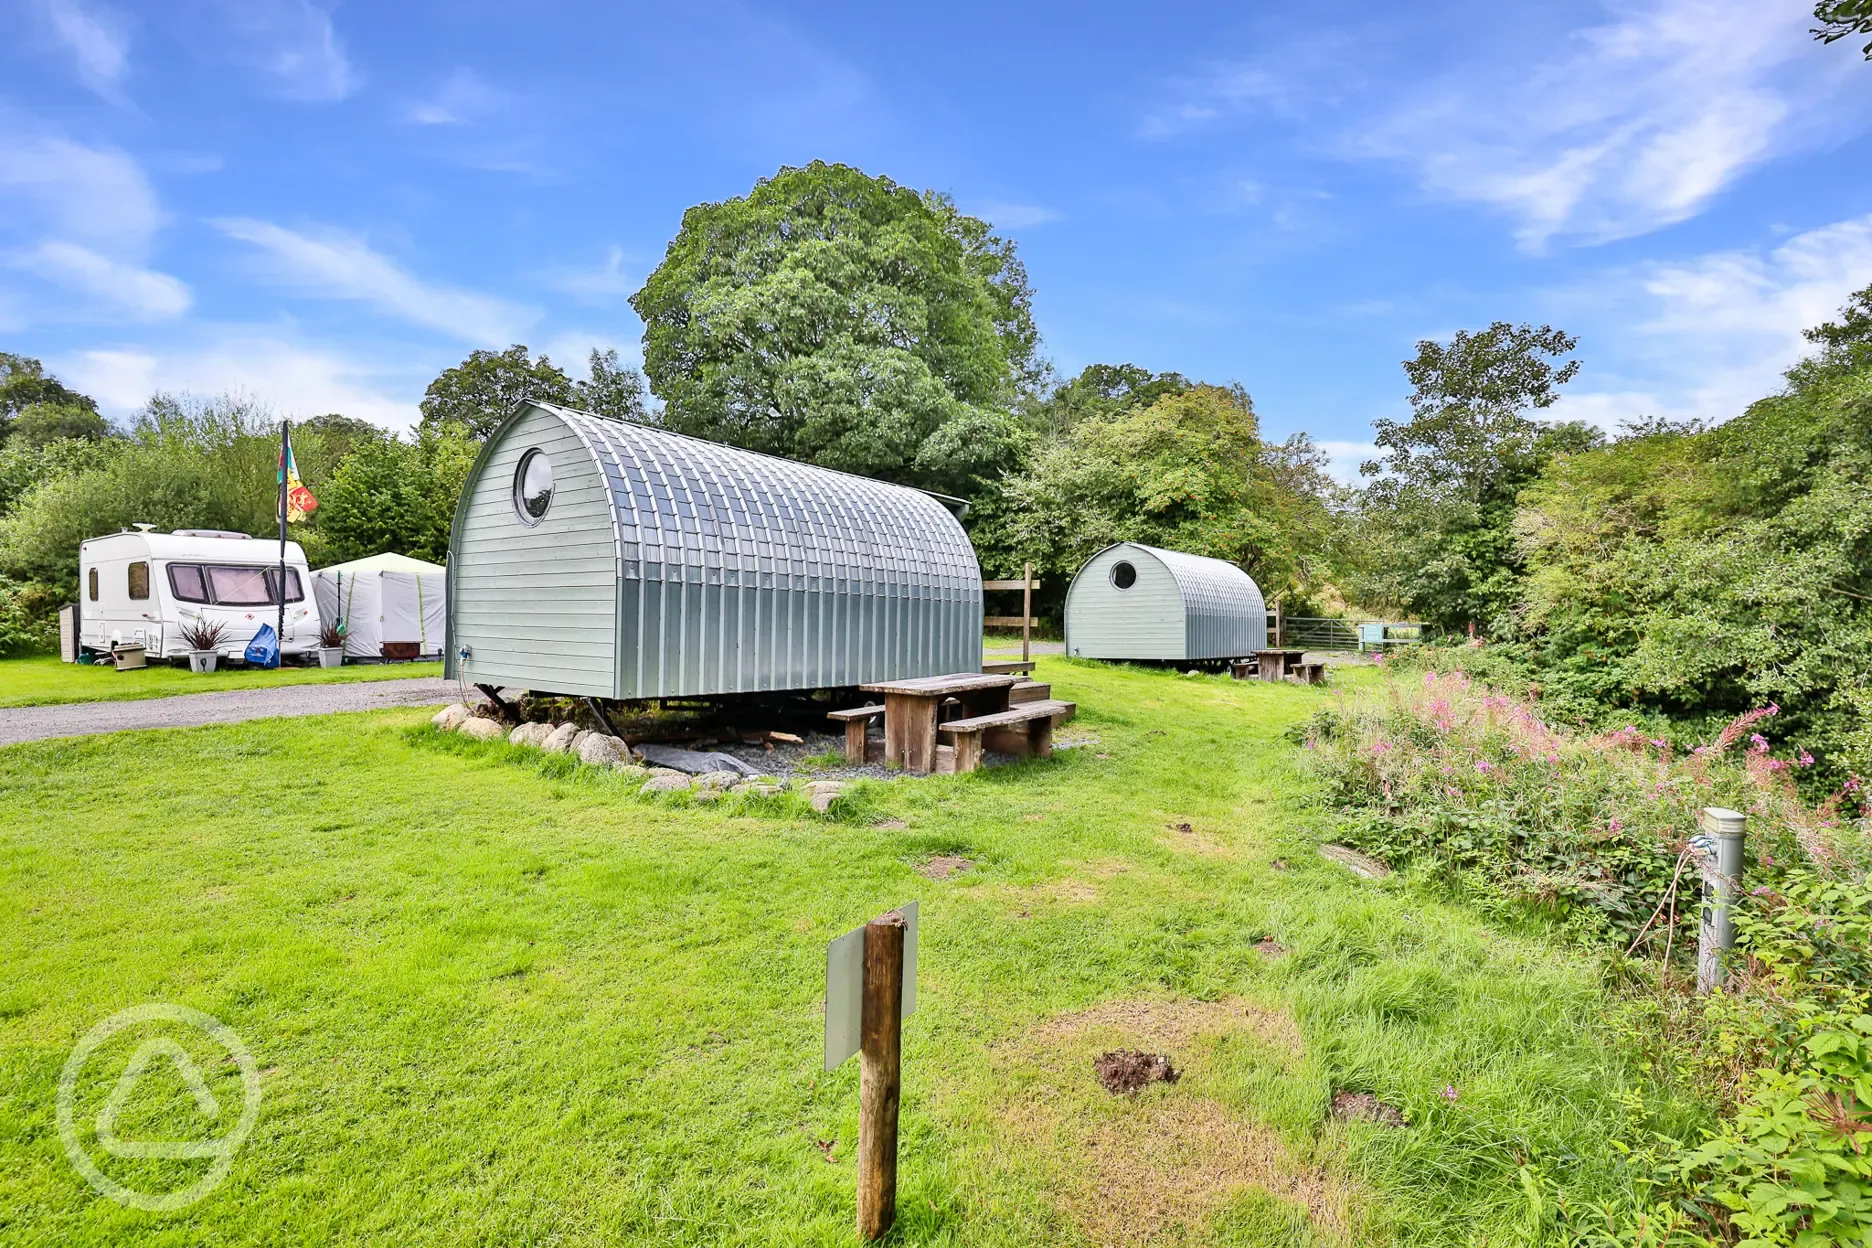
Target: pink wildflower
column 1449, row 1092
column 1613, row 825
column 1429, row 679
column 1805, row 759
column 1484, row 766
column 1759, row 742
column 1660, row 742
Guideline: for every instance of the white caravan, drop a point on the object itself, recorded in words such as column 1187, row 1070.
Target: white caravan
column 141, row 588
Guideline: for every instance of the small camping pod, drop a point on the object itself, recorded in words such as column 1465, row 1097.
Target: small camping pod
column 1132, row 601
column 596, row 557
column 391, row 606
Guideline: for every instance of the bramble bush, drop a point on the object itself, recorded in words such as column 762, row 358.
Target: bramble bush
column 1473, row 787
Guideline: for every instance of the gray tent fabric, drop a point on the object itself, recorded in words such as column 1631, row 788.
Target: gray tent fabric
column 386, row 598
column 695, row 762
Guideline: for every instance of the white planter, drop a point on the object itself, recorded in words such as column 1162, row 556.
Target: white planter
column 331, row 656
column 202, row 662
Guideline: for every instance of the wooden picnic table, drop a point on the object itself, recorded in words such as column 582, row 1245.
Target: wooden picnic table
column 912, row 709
column 1278, row 664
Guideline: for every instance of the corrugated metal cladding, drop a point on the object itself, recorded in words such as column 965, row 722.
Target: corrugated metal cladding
column 1223, row 615
column 737, row 572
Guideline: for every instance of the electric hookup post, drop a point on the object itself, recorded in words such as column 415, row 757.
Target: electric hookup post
column 870, row 990
column 1720, row 841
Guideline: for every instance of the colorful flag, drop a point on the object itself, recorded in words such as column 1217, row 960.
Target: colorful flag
column 299, row 501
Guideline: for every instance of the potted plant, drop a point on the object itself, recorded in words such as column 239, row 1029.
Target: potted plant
column 204, row 641
column 331, row 644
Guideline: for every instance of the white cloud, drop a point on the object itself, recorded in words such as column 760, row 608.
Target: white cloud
column 336, row 265
column 607, row 281
column 1639, row 125
column 142, row 293
column 82, row 219
column 1008, row 216
column 463, row 98
column 292, row 379
column 1707, row 336
column 1343, row 458
column 96, row 39
column 92, row 193
column 293, row 43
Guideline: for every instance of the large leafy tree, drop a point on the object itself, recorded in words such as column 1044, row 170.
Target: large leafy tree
column 845, row 320
column 485, row 388
column 1843, row 19
column 1188, row 472
column 1433, row 535
column 393, row 495
column 25, row 385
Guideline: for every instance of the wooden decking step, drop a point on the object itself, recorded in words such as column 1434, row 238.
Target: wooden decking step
column 1016, row 668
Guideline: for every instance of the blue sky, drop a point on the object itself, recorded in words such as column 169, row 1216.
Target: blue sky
column 322, row 206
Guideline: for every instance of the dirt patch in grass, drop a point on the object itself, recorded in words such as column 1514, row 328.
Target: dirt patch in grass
column 1124, row 1071
column 1364, row 1107
column 1156, row 1165
column 1070, row 892
column 1184, row 836
column 942, row 866
column 1270, row 947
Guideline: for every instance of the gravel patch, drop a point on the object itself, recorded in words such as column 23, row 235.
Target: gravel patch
column 229, row 706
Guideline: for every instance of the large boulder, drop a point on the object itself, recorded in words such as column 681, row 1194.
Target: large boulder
column 481, row 729
column 822, row 793
column 579, row 738
column 600, row 749
column 530, row 734
column 717, row 780
column 450, row 718
column 666, row 782
column 559, row 740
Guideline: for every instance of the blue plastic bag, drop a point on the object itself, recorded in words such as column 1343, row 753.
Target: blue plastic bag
column 263, row 650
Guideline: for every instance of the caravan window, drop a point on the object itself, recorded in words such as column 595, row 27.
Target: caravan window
column 187, row 583
column 233, row 587
column 293, row 592
column 139, row 580
column 93, row 584
column 239, row 587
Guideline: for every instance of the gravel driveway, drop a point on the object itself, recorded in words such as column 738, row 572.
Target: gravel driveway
column 191, row 710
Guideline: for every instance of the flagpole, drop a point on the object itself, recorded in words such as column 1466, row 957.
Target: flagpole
column 279, row 658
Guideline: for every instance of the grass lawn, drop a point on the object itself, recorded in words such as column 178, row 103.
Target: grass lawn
column 497, row 999
column 43, row 680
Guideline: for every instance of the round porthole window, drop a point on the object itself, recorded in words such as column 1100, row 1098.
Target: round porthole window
column 1124, row 576
column 533, row 487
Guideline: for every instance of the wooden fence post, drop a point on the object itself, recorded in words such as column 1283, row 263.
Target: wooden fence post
column 880, row 1083
column 1026, row 611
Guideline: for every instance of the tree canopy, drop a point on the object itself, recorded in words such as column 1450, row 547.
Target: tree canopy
column 1843, row 19
column 485, row 388
column 1188, row 472
column 24, row 385
column 844, row 320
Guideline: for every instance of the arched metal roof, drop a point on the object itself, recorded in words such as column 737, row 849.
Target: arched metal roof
column 687, row 502
column 735, row 572
column 1210, row 586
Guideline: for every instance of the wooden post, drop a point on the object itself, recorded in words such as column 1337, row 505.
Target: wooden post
column 1026, row 612
column 1280, row 624
column 880, row 1084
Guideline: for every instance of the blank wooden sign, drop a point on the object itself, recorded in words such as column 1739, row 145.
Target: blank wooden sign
column 844, row 979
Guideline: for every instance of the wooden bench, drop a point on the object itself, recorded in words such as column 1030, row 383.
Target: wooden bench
column 1244, row 669
column 1015, row 668
column 1029, row 691
column 1025, row 730
column 856, row 720
column 1308, row 673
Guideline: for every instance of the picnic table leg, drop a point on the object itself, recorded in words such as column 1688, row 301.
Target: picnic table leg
column 919, row 740
column 968, row 751
column 855, row 740
column 895, row 717
column 1040, row 738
